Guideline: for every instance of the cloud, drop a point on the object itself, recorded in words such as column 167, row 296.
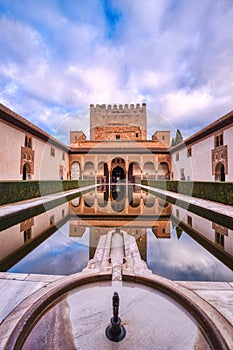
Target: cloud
column 190, row 261
column 58, row 57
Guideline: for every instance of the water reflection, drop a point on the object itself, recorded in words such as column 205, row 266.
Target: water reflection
column 175, row 243
column 58, row 255
column 184, row 259
column 119, row 198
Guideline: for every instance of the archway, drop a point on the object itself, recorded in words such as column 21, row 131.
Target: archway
column 75, row 172
column 118, row 174
column 163, row 171
column 134, row 173
column 89, row 171
column 149, row 170
column 102, row 173
column 220, row 172
column 26, row 171
column 118, row 169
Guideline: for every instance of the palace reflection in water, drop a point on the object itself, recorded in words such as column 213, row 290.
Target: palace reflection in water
column 62, row 240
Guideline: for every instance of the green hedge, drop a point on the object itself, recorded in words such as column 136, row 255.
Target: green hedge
column 221, row 192
column 15, row 191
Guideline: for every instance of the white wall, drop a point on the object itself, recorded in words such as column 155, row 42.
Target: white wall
column 46, row 167
column 202, row 159
column 228, row 140
column 11, row 141
column 199, row 166
column 184, row 162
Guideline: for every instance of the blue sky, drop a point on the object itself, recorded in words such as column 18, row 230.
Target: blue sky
column 59, row 56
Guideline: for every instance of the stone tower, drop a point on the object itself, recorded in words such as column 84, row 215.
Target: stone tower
column 118, row 122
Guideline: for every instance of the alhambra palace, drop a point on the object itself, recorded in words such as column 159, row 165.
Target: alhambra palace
column 112, row 230
column 118, row 149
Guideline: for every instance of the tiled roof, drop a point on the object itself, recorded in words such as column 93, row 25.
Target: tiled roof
column 121, row 146
column 15, row 119
column 218, row 124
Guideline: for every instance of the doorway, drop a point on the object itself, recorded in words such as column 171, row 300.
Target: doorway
column 118, row 174
column 26, row 171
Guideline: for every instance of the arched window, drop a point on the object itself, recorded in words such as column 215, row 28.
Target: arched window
column 163, row 171
column 134, row 173
column 149, row 170
column 89, row 171
column 75, row 172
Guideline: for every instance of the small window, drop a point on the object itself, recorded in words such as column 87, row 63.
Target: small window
column 52, row 219
column 75, row 138
column 136, row 134
column 189, row 220
column 27, row 235
column 221, row 140
column 177, row 213
column 219, row 239
column 163, row 138
column 177, row 156
column 189, row 152
column 63, row 156
column 52, row 152
column 28, row 142
column 118, row 137
column 63, row 213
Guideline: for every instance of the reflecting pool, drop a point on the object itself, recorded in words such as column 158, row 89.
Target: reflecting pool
column 174, row 242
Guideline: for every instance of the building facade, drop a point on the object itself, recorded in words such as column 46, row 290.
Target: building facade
column 118, row 149
column 29, row 153
column 207, row 155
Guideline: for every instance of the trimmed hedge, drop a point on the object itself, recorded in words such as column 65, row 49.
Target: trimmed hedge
column 15, row 191
column 221, row 192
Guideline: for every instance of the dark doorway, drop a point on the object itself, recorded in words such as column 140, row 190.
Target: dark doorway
column 222, row 173
column 118, row 174
column 26, row 170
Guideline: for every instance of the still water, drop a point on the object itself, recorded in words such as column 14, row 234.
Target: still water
column 174, row 242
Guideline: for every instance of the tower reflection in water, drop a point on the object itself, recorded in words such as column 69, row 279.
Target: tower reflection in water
column 175, row 243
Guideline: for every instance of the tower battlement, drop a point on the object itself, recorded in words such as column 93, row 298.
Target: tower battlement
column 122, row 122
column 126, row 108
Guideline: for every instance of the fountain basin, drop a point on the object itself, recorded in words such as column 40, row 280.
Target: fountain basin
column 74, row 313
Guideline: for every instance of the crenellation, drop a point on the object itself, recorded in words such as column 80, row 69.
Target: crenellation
column 102, row 117
column 119, row 107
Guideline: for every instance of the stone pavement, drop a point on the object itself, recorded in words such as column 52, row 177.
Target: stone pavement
column 16, row 288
